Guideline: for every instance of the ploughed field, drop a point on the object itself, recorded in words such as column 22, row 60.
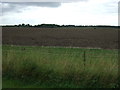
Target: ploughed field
column 90, row 37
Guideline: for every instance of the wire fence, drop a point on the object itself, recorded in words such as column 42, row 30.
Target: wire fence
column 82, row 53
column 85, row 56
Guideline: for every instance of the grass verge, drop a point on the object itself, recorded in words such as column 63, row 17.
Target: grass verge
column 48, row 67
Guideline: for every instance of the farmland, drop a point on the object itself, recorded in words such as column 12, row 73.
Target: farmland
column 98, row 37
column 76, row 57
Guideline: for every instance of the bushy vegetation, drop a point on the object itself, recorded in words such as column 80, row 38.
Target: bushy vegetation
column 56, row 67
column 56, row 26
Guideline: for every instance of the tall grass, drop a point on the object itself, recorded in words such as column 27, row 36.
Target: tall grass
column 61, row 67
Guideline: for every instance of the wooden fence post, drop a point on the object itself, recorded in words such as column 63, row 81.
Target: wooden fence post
column 84, row 58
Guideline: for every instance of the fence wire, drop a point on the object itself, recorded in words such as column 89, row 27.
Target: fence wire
column 85, row 54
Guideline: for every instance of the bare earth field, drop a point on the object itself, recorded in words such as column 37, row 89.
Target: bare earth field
column 90, row 37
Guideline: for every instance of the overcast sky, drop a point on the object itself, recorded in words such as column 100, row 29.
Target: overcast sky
column 74, row 12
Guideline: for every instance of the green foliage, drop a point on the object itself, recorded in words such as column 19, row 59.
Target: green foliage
column 59, row 67
column 55, row 26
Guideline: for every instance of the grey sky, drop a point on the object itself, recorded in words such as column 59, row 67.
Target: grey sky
column 15, row 6
column 85, row 12
column 42, row 0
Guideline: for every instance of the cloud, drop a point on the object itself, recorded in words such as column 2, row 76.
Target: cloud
column 43, row 0
column 41, row 4
column 17, row 6
column 78, row 12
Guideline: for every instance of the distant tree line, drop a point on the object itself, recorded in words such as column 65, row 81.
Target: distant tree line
column 55, row 25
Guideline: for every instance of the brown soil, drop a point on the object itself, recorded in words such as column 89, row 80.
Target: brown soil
column 97, row 37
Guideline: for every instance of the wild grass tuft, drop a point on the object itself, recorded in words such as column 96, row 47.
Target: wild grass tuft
column 60, row 67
